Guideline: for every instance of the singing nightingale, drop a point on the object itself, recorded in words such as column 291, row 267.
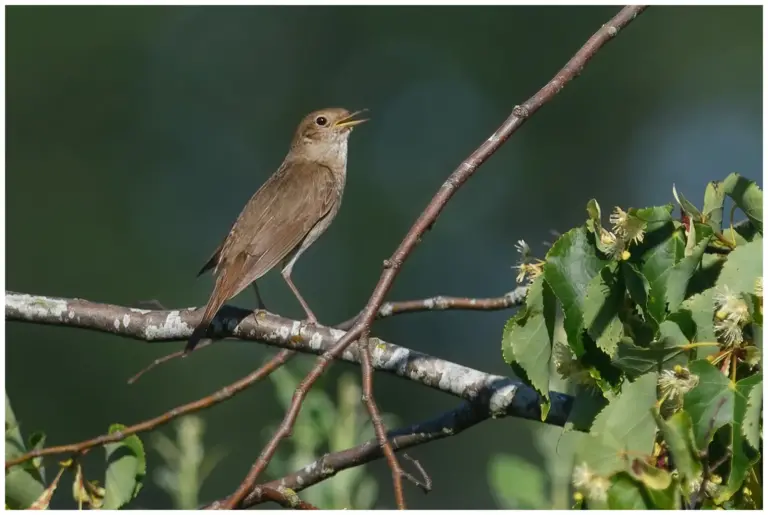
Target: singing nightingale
column 286, row 215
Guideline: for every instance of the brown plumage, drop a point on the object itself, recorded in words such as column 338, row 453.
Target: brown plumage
column 286, row 215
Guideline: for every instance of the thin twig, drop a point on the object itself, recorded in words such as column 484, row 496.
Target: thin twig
column 388, row 309
column 206, row 402
column 378, row 424
column 425, row 483
column 428, row 217
column 166, row 358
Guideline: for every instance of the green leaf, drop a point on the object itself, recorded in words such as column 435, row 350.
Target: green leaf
column 743, row 267
column 748, row 196
column 635, row 360
column 627, row 494
column 517, row 484
column 625, row 426
column 637, row 286
column 678, row 435
column 742, row 455
column 570, row 266
column 686, row 206
column 714, row 199
column 668, row 269
column 699, row 310
column 527, row 338
column 667, row 499
column 710, row 402
column 604, row 297
column 750, row 427
column 23, row 482
column 126, row 468
column 588, row 402
column 655, row 217
column 656, row 265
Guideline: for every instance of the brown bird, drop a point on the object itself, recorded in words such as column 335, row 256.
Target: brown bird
column 286, row 215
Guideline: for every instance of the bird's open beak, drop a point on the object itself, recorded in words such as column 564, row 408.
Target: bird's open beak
column 348, row 121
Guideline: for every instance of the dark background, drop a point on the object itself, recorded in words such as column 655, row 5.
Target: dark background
column 135, row 135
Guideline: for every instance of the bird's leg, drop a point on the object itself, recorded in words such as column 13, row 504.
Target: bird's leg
column 286, row 273
column 262, row 306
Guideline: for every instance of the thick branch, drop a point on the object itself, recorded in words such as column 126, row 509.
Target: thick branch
column 505, row 396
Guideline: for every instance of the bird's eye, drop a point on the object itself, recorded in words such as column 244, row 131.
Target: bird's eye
column 321, row 121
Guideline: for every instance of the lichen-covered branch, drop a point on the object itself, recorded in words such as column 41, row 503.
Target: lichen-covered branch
column 504, row 396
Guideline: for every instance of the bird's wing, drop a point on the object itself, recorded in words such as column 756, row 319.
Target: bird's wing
column 276, row 219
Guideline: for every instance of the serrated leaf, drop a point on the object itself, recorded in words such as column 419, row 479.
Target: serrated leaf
column 678, row 435
column 750, row 428
column 571, row 264
column 517, row 484
column 742, row 456
column 655, row 217
column 635, row 360
column 710, row 402
column 602, row 301
column 685, row 205
column 126, row 468
column 656, row 265
column 625, row 427
column 668, row 271
column 714, row 199
column 588, row 402
column 743, row 267
column 748, row 196
column 527, row 339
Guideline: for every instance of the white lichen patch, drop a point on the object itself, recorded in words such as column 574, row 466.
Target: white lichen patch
column 126, row 320
column 385, row 310
column 501, row 399
column 116, row 323
column 34, row 307
column 316, row 341
column 397, row 361
column 141, row 311
column 172, row 327
column 284, row 332
column 337, row 334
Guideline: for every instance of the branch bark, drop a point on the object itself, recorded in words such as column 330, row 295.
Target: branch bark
column 505, row 395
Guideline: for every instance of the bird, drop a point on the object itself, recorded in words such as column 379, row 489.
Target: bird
column 286, row 215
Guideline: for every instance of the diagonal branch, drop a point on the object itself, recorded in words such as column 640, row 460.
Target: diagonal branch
column 206, row 402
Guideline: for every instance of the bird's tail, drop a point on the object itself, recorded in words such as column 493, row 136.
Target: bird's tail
column 214, row 304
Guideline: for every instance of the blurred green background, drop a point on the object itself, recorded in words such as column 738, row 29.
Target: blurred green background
column 136, row 134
